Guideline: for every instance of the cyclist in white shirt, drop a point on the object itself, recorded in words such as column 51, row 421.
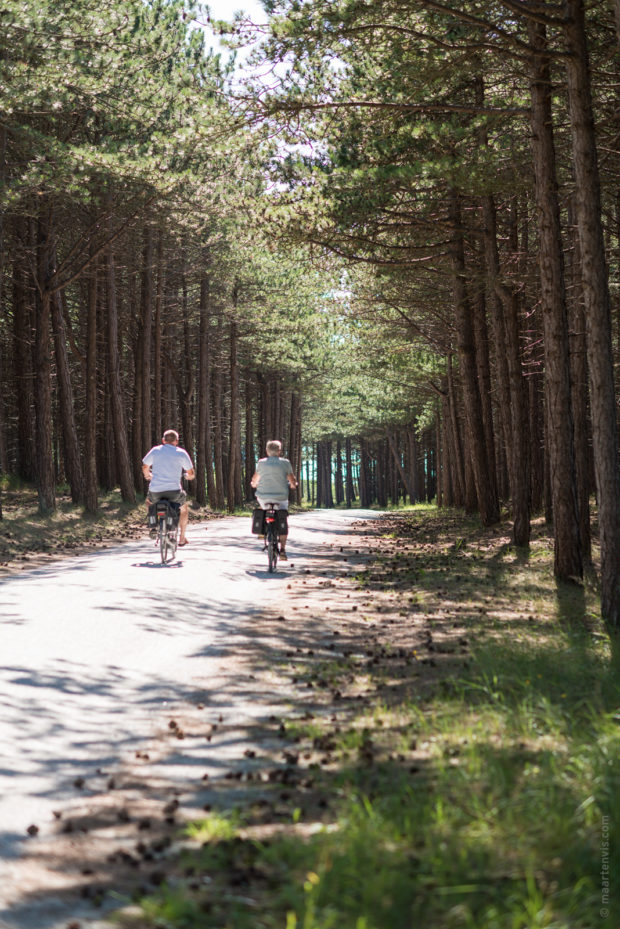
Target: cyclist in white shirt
column 272, row 479
column 163, row 467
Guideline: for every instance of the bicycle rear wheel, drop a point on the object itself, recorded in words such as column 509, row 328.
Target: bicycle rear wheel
column 272, row 550
column 163, row 539
column 173, row 537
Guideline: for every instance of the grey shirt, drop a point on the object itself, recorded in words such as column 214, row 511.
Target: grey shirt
column 272, row 482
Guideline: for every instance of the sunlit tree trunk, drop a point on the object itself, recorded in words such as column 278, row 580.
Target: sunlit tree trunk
column 597, row 313
column 559, row 434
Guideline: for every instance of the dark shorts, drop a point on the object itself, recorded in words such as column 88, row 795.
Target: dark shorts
column 175, row 496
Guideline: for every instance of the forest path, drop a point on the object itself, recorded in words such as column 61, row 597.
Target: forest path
column 108, row 661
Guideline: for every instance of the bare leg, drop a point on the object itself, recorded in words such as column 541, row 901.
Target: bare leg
column 283, row 539
column 183, row 520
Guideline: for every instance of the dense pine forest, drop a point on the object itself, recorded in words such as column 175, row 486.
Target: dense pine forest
column 391, row 239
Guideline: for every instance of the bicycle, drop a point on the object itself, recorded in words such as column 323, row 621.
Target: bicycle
column 272, row 536
column 166, row 515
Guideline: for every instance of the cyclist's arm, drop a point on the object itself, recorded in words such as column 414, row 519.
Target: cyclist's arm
column 254, row 479
column 292, row 480
column 147, row 471
column 190, row 474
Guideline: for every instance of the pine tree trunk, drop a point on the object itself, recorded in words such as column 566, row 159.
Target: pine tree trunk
column 158, row 428
column 338, row 477
column 516, row 413
column 123, row 463
column 617, row 19
column 234, row 455
column 186, row 389
column 66, row 403
column 90, row 439
column 454, row 440
column 42, row 370
column 138, row 450
column 399, row 465
column 537, row 441
column 484, row 478
column 250, row 462
column 295, row 441
column 146, row 338
column 204, row 455
column 348, row 482
column 559, row 434
column 22, row 367
column 597, row 314
column 579, row 384
column 218, row 440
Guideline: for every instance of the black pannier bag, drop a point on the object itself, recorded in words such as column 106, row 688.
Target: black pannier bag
column 169, row 510
column 152, row 517
column 258, row 522
column 282, row 516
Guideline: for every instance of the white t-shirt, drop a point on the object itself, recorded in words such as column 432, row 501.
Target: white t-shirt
column 272, row 483
column 168, row 463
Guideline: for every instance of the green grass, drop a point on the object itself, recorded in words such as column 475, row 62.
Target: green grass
column 500, row 827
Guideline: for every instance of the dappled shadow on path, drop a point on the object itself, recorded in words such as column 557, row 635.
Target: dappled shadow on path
column 351, row 634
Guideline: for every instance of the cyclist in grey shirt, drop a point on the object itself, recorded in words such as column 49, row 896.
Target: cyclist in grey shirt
column 272, row 479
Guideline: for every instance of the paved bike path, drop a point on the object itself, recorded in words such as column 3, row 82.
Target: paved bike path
column 97, row 650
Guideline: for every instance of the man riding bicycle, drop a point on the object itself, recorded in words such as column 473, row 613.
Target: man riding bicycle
column 272, row 479
column 163, row 466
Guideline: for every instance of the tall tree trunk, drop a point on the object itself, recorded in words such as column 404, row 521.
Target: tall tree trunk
column 597, row 313
column 508, row 325
column 123, row 463
column 218, row 439
column 617, row 19
column 454, row 439
column 146, row 338
column 338, row 476
column 348, row 481
column 66, row 403
column 158, row 428
column 234, row 456
column 90, row 440
column 399, row 465
column 568, row 556
column 537, row 440
column 484, row 478
column 295, row 442
column 579, row 383
column 204, row 455
column 250, row 461
column 42, row 369
column 22, row 367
